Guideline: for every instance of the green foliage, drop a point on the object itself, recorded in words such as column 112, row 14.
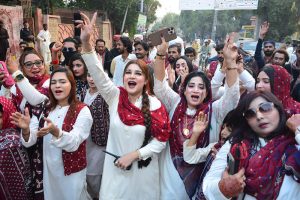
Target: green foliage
column 282, row 16
column 170, row 19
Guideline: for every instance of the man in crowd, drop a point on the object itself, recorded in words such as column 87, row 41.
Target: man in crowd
column 174, row 52
column 104, row 56
column 124, row 46
column 68, row 49
column 269, row 47
column 190, row 52
column 142, row 51
column 295, row 85
column 44, row 37
column 27, row 35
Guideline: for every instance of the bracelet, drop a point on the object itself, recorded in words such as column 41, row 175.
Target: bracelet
column 161, row 55
column 231, row 68
column 88, row 52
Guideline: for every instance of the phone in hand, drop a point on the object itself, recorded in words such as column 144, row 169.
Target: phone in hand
column 232, row 164
column 76, row 17
column 168, row 33
column 9, row 81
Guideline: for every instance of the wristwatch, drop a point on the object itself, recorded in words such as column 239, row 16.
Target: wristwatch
column 19, row 77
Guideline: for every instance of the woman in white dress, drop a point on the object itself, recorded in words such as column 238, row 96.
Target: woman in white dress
column 266, row 156
column 180, row 178
column 57, row 139
column 139, row 128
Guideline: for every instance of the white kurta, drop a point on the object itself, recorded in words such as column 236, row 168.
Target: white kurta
column 30, row 94
column 172, row 187
column 116, row 183
column 56, row 184
column 290, row 189
column 44, row 38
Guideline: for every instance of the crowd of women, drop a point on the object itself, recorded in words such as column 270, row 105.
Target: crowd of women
column 75, row 135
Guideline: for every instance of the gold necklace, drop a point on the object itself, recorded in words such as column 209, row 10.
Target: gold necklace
column 186, row 131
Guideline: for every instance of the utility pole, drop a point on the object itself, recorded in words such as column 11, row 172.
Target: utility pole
column 124, row 20
column 142, row 6
column 214, row 27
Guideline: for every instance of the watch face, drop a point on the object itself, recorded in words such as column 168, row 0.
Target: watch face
column 19, row 77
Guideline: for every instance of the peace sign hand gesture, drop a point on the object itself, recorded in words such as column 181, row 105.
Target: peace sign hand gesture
column 87, row 28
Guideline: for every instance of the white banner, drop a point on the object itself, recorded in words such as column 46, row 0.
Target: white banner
column 218, row 4
column 236, row 4
column 196, row 4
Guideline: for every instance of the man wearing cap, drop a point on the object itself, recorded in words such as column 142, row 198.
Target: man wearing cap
column 269, row 47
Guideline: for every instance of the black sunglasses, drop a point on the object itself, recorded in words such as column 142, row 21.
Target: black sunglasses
column 70, row 49
column 262, row 108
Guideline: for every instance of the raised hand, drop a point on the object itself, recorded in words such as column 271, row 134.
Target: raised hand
column 171, row 75
column 200, row 123
column 230, row 50
column 57, row 47
column 20, row 120
column 11, row 62
column 264, row 28
column 293, row 122
column 232, row 185
column 163, row 47
column 87, row 28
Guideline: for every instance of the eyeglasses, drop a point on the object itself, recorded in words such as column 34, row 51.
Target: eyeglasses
column 262, row 108
column 30, row 64
column 68, row 49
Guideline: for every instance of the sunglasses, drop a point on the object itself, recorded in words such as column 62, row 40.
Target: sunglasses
column 69, row 49
column 30, row 64
column 263, row 108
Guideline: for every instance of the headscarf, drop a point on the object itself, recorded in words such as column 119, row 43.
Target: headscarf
column 280, row 81
column 8, row 108
column 190, row 174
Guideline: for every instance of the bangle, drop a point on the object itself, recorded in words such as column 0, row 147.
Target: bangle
column 231, row 68
column 88, row 52
column 161, row 55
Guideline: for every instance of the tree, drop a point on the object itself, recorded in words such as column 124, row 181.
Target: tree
column 170, row 19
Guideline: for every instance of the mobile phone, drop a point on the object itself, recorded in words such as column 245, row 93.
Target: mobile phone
column 9, row 80
column 76, row 16
column 232, row 167
column 168, row 33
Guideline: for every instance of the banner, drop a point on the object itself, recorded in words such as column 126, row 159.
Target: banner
column 236, row 4
column 141, row 24
column 218, row 4
column 196, row 4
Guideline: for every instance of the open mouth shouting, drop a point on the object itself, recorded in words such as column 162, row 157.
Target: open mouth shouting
column 195, row 98
column 58, row 92
column 131, row 84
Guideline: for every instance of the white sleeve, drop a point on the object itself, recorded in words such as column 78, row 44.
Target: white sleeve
column 165, row 94
column 39, row 36
column 192, row 155
column 247, row 80
column 211, row 180
column 154, row 146
column 216, row 83
column 5, row 92
column 227, row 102
column 103, row 83
column 34, row 126
column 30, row 93
column 70, row 141
column 297, row 136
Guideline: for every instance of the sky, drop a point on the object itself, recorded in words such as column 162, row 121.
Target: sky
column 167, row 6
